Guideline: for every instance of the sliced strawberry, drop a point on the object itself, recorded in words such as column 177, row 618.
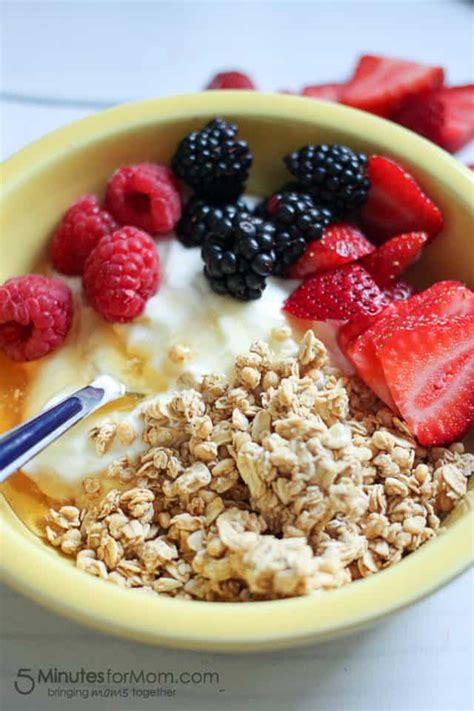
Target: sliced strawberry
column 393, row 257
column 399, row 290
column 325, row 92
column 381, row 84
column 445, row 116
column 361, row 352
column 339, row 294
column 231, row 80
column 360, row 340
column 471, row 166
column 430, row 372
column 340, row 244
column 396, row 203
column 445, row 298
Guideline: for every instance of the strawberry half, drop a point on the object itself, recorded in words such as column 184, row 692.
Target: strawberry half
column 396, row 203
column 325, row 92
column 445, row 116
column 429, row 369
column 339, row 294
column 393, row 257
column 381, row 84
column 340, row 244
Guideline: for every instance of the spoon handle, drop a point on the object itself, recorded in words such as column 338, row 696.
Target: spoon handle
column 22, row 443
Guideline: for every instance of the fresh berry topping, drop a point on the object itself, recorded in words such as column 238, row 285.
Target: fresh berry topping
column 121, row 274
column 335, row 175
column 199, row 218
column 231, row 80
column 361, row 340
column 238, row 255
column 393, row 257
column 35, row 316
column 399, row 290
column 445, row 116
column 341, row 243
column 445, row 298
column 396, row 203
column 339, row 294
column 80, row 229
column 471, row 166
column 380, row 84
column 267, row 207
column 297, row 221
column 325, row 92
column 429, row 369
column 146, row 196
column 212, row 162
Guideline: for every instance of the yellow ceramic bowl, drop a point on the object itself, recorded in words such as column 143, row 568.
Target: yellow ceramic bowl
column 43, row 179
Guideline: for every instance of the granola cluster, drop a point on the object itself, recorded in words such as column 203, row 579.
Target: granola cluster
column 289, row 480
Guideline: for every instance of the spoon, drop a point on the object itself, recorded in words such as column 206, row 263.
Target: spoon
column 22, row 443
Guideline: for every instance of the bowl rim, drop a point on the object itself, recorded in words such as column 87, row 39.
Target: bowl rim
column 42, row 575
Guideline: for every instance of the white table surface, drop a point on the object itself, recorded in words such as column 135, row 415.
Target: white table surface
column 60, row 61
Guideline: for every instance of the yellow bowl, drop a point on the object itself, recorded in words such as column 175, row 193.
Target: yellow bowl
column 43, row 179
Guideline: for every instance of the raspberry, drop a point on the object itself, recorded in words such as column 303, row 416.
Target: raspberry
column 80, row 229
column 121, row 274
column 35, row 316
column 231, row 80
column 146, row 196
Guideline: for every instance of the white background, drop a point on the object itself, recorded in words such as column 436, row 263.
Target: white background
column 60, row 61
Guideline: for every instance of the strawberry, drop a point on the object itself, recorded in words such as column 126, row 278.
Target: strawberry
column 361, row 340
column 429, row 369
column 393, row 257
column 325, row 92
column 340, row 244
column 399, row 290
column 339, row 294
column 381, row 84
column 445, row 116
column 396, row 203
column 471, row 166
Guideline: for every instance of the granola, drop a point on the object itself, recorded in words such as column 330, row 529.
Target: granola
column 289, row 480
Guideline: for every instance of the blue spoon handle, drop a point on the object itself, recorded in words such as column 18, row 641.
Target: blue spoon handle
column 22, row 443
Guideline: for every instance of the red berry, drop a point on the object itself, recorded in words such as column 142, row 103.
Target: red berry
column 396, row 203
column 231, row 80
column 121, row 274
column 445, row 116
column 35, row 316
column 361, row 340
column 339, row 294
column 429, row 369
column 340, row 244
column 325, row 92
column 381, row 84
column 471, row 166
column 80, row 229
column 146, row 196
column 399, row 290
column 393, row 257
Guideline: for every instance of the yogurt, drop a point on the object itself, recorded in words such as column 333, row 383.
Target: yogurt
column 186, row 328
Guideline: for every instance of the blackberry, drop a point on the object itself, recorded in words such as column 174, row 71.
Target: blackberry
column 213, row 162
column 199, row 217
column 261, row 210
column 238, row 255
column 334, row 175
column 297, row 221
